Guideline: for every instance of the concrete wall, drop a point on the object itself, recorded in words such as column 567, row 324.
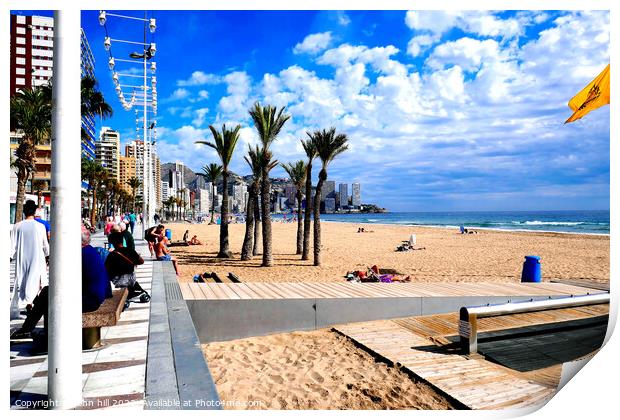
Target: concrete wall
column 222, row 320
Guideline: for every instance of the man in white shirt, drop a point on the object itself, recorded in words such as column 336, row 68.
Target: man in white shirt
column 29, row 249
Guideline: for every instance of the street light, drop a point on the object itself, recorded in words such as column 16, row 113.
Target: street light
column 102, row 17
column 152, row 25
column 111, row 63
column 153, row 66
column 152, row 49
column 107, row 43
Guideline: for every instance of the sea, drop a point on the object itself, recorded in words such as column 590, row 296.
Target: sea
column 578, row 221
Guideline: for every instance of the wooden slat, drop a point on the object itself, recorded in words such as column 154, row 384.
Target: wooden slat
column 263, row 291
column 228, row 290
column 248, row 291
column 207, row 291
column 216, row 290
column 240, row 291
column 186, row 291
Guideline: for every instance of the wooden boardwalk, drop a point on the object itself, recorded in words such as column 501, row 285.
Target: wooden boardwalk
column 232, row 291
column 423, row 346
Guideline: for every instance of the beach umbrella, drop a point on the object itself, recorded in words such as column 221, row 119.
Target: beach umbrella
column 593, row 96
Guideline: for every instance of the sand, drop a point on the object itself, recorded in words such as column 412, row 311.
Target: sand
column 312, row 370
column 322, row 370
column 489, row 256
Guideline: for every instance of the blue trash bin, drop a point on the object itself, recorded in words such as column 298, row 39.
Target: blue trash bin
column 169, row 234
column 532, row 272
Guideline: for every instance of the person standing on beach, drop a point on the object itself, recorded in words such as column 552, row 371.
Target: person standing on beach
column 29, row 249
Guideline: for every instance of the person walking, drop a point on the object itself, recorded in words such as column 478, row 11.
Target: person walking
column 29, row 249
column 132, row 222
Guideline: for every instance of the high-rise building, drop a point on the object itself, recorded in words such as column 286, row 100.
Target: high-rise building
column 107, row 151
column 135, row 149
column 87, row 69
column 239, row 192
column 126, row 171
column 30, row 63
column 32, row 51
column 356, row 194
column 157, row 177
column 204, row 203
column 165, row 192
column 343, row 195
column 330, row 205
column 329, row 190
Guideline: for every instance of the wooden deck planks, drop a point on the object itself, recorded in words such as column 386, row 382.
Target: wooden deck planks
column 373, row 290
column 477, row 383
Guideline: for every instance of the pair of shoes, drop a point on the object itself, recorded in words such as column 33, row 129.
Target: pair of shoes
column 126, row 305
column 21, row 335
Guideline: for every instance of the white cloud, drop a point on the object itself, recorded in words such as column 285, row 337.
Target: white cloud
column 177, row 95
column 313, row 44
column 200, row 115
column 199, row 78
column 419, row 44
column 466, row 52
column 238, row 101
column 343, row 19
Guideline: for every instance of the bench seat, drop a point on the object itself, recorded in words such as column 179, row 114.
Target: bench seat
column 107, row 315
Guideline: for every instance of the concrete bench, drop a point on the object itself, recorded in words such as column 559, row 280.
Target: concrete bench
column 107, row 315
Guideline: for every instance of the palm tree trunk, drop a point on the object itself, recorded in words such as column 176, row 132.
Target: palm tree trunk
column 317, row 218
column 224, row 247
column 20, row 194
column 307, row 221
column 266, row 221
column 212, row 202
column 93, row 211
column 257, row 222
column 246, row 250
column 300, row 233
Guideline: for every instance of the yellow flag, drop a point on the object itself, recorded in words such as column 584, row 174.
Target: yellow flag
column 593, row 96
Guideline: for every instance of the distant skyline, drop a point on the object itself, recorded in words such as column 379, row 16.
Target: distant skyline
column 444, row 110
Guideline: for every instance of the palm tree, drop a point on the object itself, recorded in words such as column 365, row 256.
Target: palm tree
column 253, row 159
column 310, row 150
column 212, row 172
column 297, row 172
column 31, row 116
column 39, row 185
column 328, row 145
column 134, row 183
column 94, row 174
column 225, row 143
column 268, row 122
column 168, row 203
column 93, row 102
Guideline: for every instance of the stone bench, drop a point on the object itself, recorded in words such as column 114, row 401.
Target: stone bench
column 107, row 315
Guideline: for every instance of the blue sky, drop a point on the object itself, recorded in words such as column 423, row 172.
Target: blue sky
column 444, row 110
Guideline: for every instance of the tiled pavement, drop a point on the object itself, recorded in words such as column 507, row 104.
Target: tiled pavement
column 113, row 376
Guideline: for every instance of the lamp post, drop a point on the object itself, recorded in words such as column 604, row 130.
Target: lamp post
column 148, row 52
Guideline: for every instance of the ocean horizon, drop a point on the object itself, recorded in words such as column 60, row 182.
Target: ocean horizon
column 566, row 221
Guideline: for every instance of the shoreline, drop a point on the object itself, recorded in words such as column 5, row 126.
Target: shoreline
column 440, row 255
column 475, row 227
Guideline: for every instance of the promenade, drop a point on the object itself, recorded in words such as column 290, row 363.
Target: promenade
column 112, row 376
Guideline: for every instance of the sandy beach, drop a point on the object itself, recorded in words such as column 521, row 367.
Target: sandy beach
column 448, row 256
column 312, row 370
column 323, row 370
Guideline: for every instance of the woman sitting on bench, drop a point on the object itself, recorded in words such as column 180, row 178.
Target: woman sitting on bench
column 120, row 264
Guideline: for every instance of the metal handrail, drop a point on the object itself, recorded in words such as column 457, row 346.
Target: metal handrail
column 468, row 316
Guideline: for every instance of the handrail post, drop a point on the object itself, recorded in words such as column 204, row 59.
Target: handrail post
column 468, row 331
